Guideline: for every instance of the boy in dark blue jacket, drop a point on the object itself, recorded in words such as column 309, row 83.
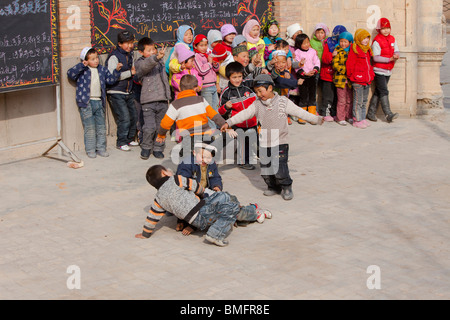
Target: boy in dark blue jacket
column 92, row 78
column 201, row 167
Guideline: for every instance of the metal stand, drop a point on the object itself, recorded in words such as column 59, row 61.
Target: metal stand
column 64, row 147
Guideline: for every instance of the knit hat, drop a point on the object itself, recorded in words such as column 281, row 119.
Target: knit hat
column 262, row 79
column 213, row 36
column 238, row 40
column 238, row 49
column 84, row 52
column 348, row 36
column 183, row 53
column 293, row 29
column 360, row 35
column 279, row 53
column 227, row 29
column 219, row 52
column 252, row 52
column 199, row 38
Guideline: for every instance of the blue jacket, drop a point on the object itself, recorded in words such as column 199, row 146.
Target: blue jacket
column 82, row 75
column 192, row 170
column 125, row 58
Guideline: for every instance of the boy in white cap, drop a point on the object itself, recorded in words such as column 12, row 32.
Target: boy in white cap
column 92, row 78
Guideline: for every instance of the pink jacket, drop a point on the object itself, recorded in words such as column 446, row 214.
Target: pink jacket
column 205, row 70
column 312, row 60
column 176, row 77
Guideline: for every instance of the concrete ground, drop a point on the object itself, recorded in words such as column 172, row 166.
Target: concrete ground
column 369, row 220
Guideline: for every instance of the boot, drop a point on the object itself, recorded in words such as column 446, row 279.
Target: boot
column 301, row 121
column 373, row 106
column 286, row 193
column 386, row 106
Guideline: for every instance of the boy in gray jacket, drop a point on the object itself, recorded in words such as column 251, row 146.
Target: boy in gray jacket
column 181, row 197
column 155, row 95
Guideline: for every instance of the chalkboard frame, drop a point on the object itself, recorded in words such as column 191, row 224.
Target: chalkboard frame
column 55, row 60
column 246, row 8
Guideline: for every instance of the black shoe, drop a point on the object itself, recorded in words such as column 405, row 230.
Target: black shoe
column 158, row 154
column 391, row 117
column 247, row 166
column 145, row 154
column 371, row 118
column 286, row 193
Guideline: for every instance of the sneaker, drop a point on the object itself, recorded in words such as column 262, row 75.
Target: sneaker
column 133, row 144
column 103, row 153
column 286, row 193
column 359, row 124
column 294, row 118
column 328, row 119
column 266, row 213
column 366, row 123
column 271, row 192
column 247, row 166
column 124, row 148
column 158, row 154
column 217, row 242
column 91, row 154
column 391, row 117
column 343, row 123
column 300, row 121
column 145, row 154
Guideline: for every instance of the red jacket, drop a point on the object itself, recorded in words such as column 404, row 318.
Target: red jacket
column 327, row 71
column 387, row 45
column 241, row 97
column 359, row 68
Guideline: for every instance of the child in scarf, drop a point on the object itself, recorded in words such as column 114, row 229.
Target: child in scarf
column 343, row 86
column 251, row 32
column 185, row 36
column 320, row 34
column 292, row 31
column 360, row 73
column 228, row 34
column 328, row 106
column 385, row 54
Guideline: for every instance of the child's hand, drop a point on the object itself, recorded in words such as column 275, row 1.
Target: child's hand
column 224, row 127
column 265, row 71
column 289, row 63
column 161, row 52
column 133, row 70
column 119, row 66
column 311, row 73
column 217, row 189
column 287, row 75
column 335, row 53
column 396, row 57
column 160, row 140
column 219, row 90
column 302, row 62
column 271, row 47
column 260, row 47
column 233, row 134
column 257, row 60
column 210, row 60
column 300, row 81
column 320, row 120
column 229, row 105
column 139, row 236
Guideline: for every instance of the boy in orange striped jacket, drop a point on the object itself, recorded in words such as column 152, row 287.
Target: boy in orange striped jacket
column 190, row 112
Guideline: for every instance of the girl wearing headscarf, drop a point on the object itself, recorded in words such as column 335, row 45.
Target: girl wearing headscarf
column 327, row 108
column 252, row 32
column 185, row 37
column 385, row 54
column 320, row 34
column 360, row 73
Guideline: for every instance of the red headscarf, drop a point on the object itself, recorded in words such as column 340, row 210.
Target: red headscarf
column 199, row 38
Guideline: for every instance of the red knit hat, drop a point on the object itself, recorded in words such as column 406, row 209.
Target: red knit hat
column 199, row 38
column 219, row 52
column 383, row 23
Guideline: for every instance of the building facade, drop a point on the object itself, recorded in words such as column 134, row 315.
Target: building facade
column 419, row 26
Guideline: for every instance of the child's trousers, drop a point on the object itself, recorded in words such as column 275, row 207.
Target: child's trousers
column 274, row 166
column 307, row 92
column 152, row 115
column 93, row 120
column 360, row 98
column 344, row 103
column 126, row 117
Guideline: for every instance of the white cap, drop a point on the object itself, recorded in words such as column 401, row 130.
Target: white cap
column 292, row 29
column 83, row 53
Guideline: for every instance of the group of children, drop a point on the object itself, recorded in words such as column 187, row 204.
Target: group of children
column 248, row 85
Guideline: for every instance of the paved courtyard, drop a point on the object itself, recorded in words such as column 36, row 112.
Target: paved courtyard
column 370, row 220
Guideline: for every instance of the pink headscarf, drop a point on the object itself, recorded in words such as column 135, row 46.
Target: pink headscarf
column 248, row 27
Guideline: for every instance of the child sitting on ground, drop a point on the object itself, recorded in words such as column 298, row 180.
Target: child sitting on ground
column 271, row 111
column 201, row 167
column 91, row 78
column 181, row 197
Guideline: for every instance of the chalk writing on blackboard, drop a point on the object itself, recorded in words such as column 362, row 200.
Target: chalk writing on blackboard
column 28, row 46
column 160, row 19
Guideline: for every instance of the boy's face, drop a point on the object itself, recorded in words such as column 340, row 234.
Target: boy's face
column 188, row 36
column 229, row 38
column 215, row 43
column 149, row 50
column 366, row 41
column 127, row 46
column 243, row 58
column 385, row 31
column 280, row 63
column 93, row 60
column 263, row 93
column 236, row 79
column 273, row 30
column 344, row 43
column 202, row 46
column 189, row 63
column 306, row 45
column 320, row 34
column 203, row 156
column 255, row 31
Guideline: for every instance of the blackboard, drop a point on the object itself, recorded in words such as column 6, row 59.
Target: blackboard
column 29, row 55
column 160, row 19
